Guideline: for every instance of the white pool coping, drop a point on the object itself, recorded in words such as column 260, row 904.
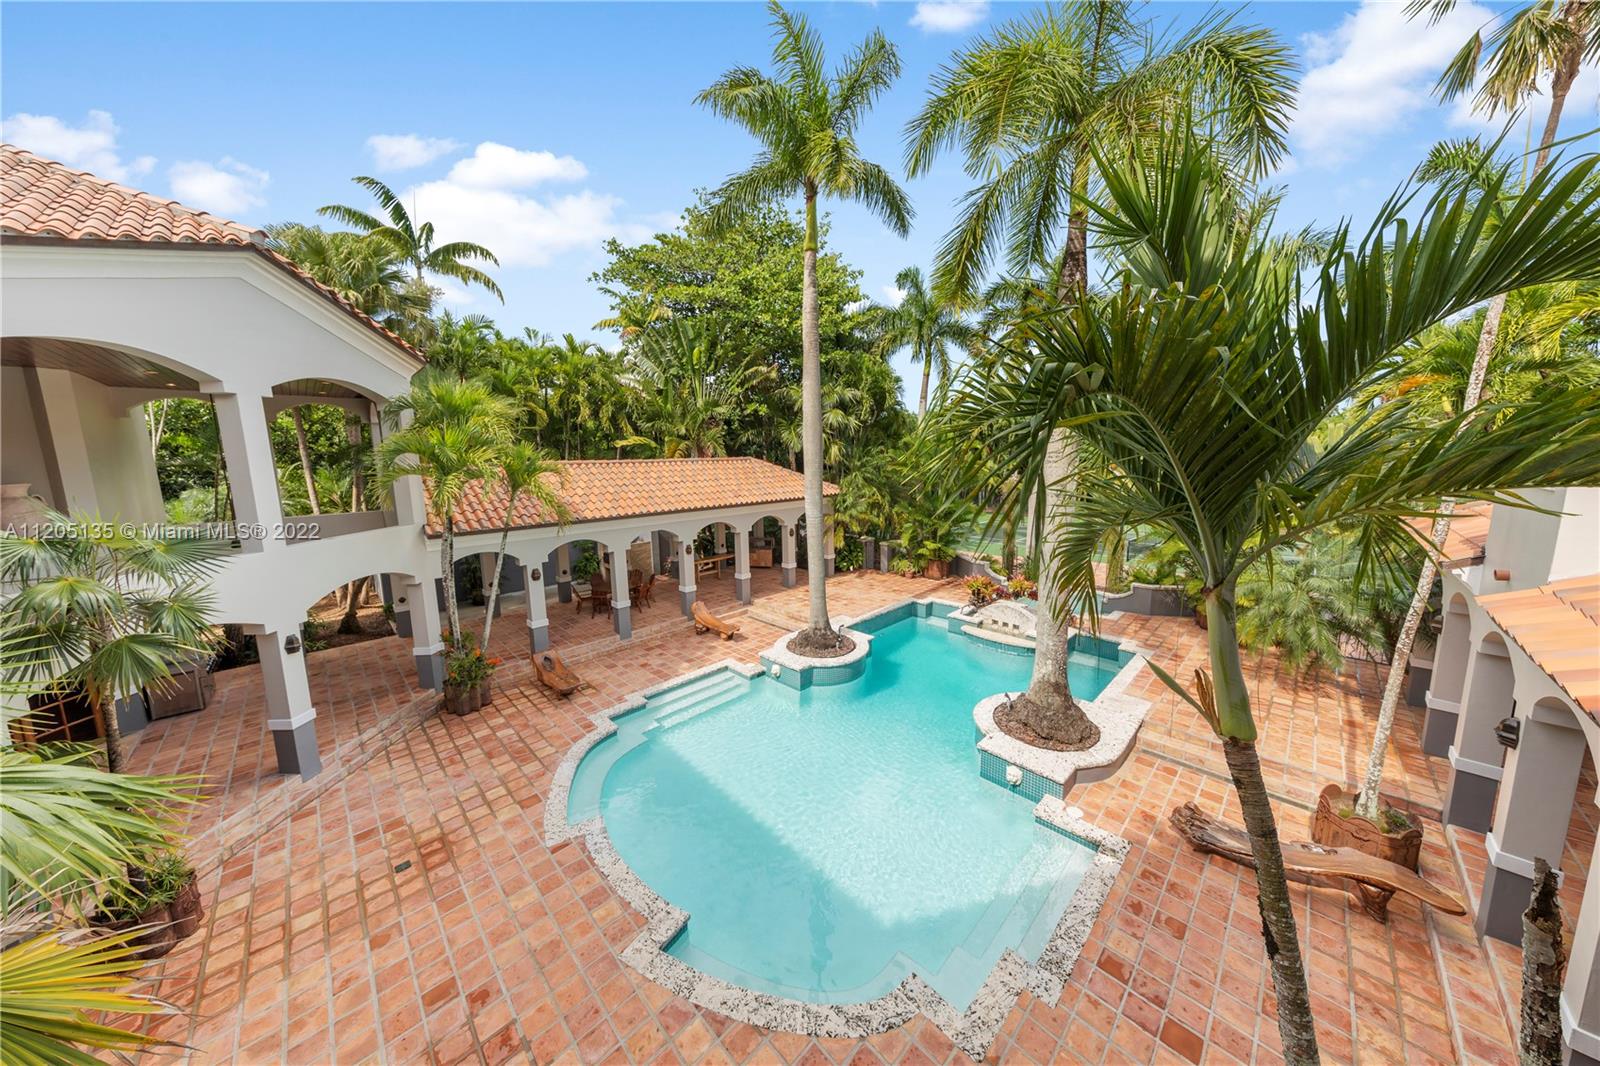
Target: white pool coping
column 972, row 1030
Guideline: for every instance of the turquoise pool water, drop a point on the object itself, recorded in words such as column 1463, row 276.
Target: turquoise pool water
column 828, row 842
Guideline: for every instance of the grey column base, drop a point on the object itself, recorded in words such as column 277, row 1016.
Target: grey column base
column 686, row 602
column 1439, row 732
column 1578, row 1058
column 1505, row 897
column 131, row 716
column 827, row 567
column 788, row 577
column 430, row 670
column 402, row 623
column 622, row 622
column 538, row 638
column 1418, row 678
column 1470, row 805
column 741, row 589
column 869, row 553
column 297, row 750
column 564, row 591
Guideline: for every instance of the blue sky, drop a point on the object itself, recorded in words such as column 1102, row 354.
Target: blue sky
column 540, row 129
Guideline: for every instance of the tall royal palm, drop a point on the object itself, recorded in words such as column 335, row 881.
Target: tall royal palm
column 805, row 120
column 925, row 324
column 413, row 242
column 1204, row 373
column 1541, row 39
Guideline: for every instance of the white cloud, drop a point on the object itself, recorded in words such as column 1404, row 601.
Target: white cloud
column 402, row 151
column 893, row 295
column 1372, row 74
column 91, row 146
column 227, row 187
column 499, row 166
column 949, row 16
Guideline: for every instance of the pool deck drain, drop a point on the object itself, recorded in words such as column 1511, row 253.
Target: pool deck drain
column 972, row 1030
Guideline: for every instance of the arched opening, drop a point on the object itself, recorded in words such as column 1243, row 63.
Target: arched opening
column 1476, row 756
column 1447, row 679
column 323, row 436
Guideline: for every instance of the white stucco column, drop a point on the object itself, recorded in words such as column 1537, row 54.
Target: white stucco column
column 538, row 609
column 63, row 425
column 1447, row 679
column 719, row 537
column 1476, row 756
column 789, row 535
column 1531, row 816
column 252, row 475
column 621, row 621
column 427, row 632
column 564, row 573
column 827, row 546
column 1580, row 994
column 686, row 583
column 290, row 715
column 741, row 564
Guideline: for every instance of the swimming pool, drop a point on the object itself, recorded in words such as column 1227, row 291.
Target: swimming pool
column 826, row 843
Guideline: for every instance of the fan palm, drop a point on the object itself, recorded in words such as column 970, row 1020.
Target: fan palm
column 1204, row 373
column 455, row 437
column 926, row 325
column 525, row 470
column 105, row 609
column 413, row 243
column 806, row 121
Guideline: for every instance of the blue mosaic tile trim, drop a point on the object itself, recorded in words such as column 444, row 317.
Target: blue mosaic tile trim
column 992, row 768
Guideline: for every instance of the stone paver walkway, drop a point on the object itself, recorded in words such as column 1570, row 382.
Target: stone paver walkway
column 412, row 913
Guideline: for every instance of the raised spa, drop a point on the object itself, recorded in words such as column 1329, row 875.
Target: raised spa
column 828, row 842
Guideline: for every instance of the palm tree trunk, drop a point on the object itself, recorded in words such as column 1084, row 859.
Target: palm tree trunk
column 922, row 401
column 1544, row 960
column 107, row 713
column 305, row 460
column 1238, row 732
column 1367, row 801
column 447, row 566
column 499, row 565
column 820, row 633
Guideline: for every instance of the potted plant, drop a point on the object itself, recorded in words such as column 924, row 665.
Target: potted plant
column 1022, row 588
column 170, row 876
column 936, row 556
column 486, row 683
column 132, row 903
column 904, row 567
column 1392, row 836
column 462, row 674
column 981, row 590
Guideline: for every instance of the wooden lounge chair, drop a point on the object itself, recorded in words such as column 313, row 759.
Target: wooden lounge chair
column 555, row 675
column 599, row 595
column 706, row 622
column 1314, row 864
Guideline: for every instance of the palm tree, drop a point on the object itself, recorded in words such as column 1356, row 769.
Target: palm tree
column 456, row 435
column 1203, row 375
column 365, row 271
column 1541, row 38
column 1029, row 107
column 413, row 243
column 926, row 325
column 692, row 387
column 105, row 609
column 525, row 471
column 805, row 121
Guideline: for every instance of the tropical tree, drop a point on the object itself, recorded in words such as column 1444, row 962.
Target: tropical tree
column 456, row 435
column 806, row 122
column 365, row 271
column 412, row 242
column 926, row 325
column 526, row 472
column 1204, row 373
column 1029, row 108
column 1305, row 602
column 691, row 386
column 105, row 609
column 1542, row 38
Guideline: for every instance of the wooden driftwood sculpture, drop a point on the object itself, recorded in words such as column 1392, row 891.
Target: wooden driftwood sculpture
column 1314, row 864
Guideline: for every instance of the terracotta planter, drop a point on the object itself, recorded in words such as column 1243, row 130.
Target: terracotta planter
column 187, row 910
column 485, row 692
column 460, row 699
column 1330, row 828
column 152, row 942
column 938, row 568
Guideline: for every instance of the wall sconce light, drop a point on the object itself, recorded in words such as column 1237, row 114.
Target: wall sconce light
column 534, row 573
column 1508, row 732
column 400, row 601
column 291, row 643
column 1502, row 575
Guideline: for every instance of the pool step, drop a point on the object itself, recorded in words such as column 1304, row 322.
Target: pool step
column 695, row 698
column 1027, row 902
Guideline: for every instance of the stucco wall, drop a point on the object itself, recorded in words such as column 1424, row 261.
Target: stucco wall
column 118, row 443
column 22, row 456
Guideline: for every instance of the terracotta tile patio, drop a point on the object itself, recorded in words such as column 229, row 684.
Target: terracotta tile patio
column 409, row 911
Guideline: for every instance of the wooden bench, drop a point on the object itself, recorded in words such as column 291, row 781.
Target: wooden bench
column 707, row 563
column 1314, row 864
